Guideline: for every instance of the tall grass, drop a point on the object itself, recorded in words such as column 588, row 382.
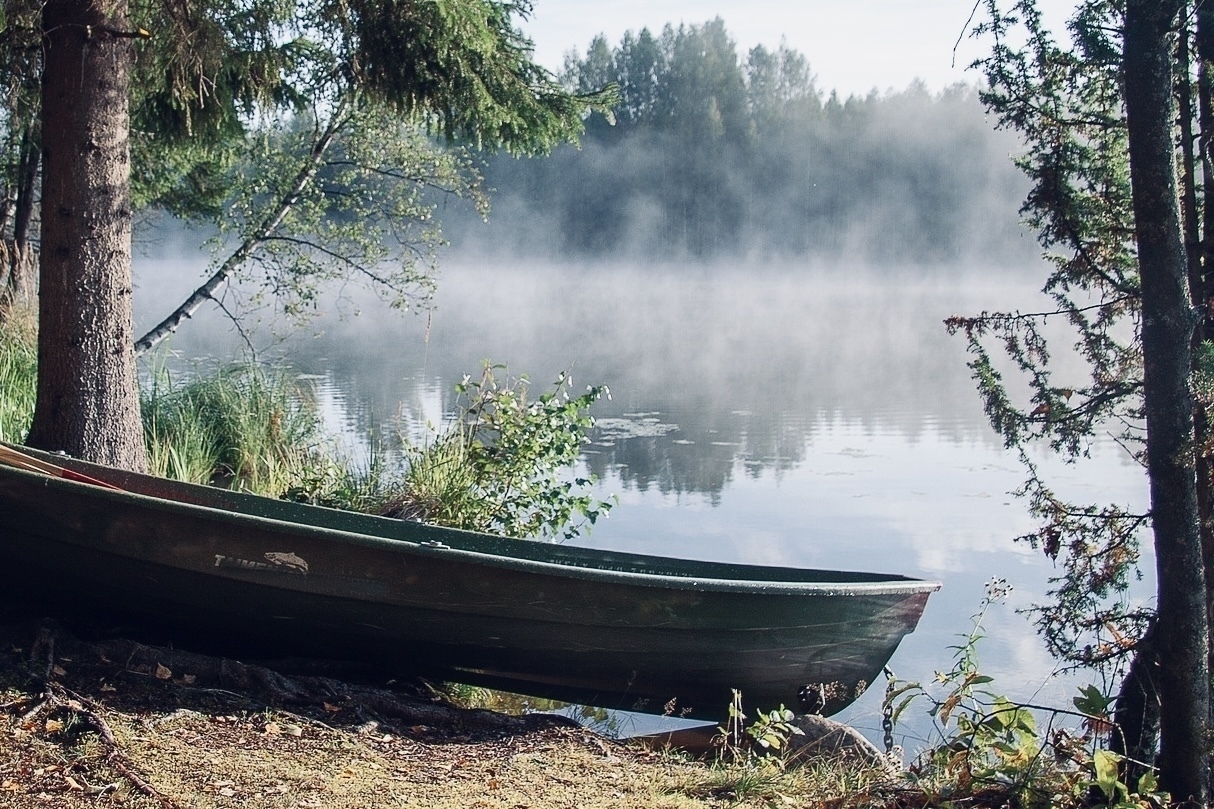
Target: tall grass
column 247, row 426
column 502, row 465
column 439, row 483
column 18, row 373
column 331, row 481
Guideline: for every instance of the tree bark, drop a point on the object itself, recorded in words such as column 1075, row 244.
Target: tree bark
column 1188, row 163
column 1168, row 320
column 87, row 402
column 1204, row 430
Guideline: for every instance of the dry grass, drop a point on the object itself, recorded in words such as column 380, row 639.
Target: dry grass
column 275, row 760
column 272, row 760
column 174, row 743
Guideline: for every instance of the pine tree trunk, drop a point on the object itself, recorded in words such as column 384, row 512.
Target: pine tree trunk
column 1204, row 430
column 1181, row 632
column 87, row 404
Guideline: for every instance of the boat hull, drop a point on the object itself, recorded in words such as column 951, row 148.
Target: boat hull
column 266, row 578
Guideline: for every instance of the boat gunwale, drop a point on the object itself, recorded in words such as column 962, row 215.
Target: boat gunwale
column 895, row 585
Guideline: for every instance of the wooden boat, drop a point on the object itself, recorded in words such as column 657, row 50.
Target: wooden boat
column 265, row 578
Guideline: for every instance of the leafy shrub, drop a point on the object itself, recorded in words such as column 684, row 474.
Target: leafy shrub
column 503, row 465
column 520, row 451
column 770, row 732
column 992, row 750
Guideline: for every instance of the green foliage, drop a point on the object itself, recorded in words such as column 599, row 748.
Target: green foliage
column 344, row 192
column 235, row 106
column 205, row 69
column 504, row 465
column 199, row 78
column 756, row 764
column 994, row 749
column 770, row 731
column 314, row 150
column 441, row 483
column 247, row 427
column 18, row 375
column 987, row 741
column 1065, row 100
column 1106, row 772
column 1066, row 103
column 459, row 67
column 365, row 212
column 1203, row 373
column 336, row 483
column 20, row 70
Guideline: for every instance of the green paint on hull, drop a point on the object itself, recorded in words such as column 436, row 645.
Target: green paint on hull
column 261, row 577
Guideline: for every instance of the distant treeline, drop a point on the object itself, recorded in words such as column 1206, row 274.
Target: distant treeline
column 710, row 155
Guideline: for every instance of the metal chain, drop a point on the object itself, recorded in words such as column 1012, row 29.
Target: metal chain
column 887, row 712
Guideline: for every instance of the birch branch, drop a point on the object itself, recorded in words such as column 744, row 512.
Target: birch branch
column 253, row 241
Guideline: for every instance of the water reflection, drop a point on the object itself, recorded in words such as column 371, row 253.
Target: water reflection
column 738, row 364
column 794, row 416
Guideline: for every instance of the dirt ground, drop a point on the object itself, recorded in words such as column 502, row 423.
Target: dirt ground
column 115, row 723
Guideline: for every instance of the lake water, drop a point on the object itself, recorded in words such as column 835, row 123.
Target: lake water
column 806, row 416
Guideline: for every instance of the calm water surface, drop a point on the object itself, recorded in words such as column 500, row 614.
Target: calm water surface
column 797, row 416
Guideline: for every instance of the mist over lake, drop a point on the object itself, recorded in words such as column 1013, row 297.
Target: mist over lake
column 815, row 416
column 759, row 271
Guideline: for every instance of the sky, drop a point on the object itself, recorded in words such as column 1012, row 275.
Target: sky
column 853, row 46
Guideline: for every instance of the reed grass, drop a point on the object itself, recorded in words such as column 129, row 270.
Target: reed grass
column 246, row 426
column 372, row 487
column 253, row 427
column 434, row 482
column 439, row 484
